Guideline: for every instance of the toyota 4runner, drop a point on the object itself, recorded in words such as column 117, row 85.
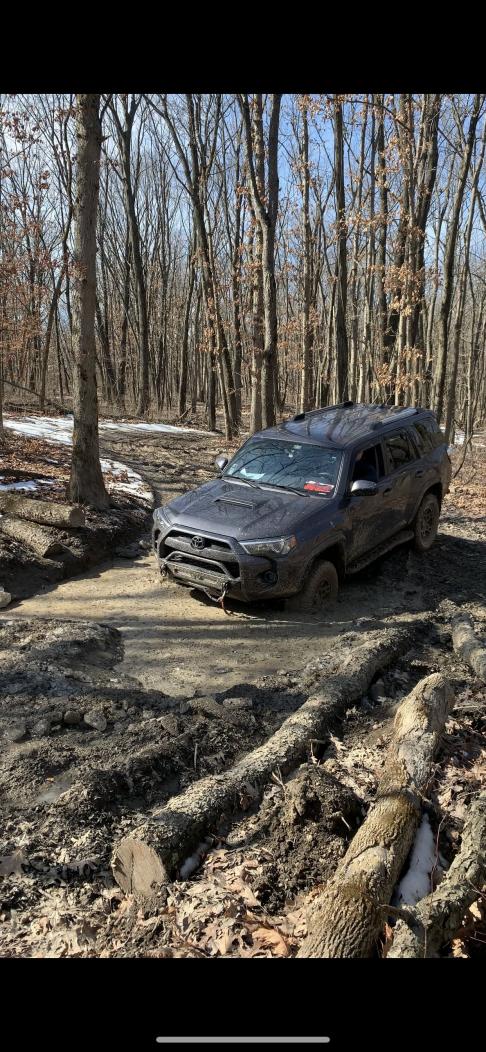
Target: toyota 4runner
column 306, row 502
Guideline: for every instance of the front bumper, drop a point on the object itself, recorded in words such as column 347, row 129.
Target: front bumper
column 221, row 565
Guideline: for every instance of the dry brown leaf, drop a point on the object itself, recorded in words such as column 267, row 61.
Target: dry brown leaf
column 458, row 948
column 12, row 864
column 270, row 939
column 476, row 908
column 238, row 885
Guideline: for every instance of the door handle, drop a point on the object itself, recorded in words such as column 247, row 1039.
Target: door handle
column 418, row 474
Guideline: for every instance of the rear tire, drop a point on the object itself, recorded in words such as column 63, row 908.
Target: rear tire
column 320, row 588
column 426, row 523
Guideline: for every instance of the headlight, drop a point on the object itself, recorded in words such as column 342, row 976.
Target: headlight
column 270, row 546
column 159, row 516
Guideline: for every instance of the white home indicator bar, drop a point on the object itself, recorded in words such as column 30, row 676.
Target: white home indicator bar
column 243, row 1040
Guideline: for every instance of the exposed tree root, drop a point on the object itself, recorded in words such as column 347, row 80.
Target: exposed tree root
column 348, row 916
column 151, row 855
column 436, row 918
column 467, row 645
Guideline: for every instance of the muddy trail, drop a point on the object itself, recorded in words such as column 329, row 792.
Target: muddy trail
column 120, row 691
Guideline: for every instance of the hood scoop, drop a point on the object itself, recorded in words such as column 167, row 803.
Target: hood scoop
column 232, row 500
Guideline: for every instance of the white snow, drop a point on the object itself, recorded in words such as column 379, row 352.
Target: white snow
column 415, row 885
column 30, row 485
column 60, row 428
column 135, row 484
column 112, row 425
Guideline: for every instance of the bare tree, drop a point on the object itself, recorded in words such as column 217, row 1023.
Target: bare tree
column 86, row 481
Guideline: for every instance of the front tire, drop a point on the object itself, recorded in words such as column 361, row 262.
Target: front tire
column 426, row 523
column 320, row 588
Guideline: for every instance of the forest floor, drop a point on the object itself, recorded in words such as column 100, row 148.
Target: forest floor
column 103, row 669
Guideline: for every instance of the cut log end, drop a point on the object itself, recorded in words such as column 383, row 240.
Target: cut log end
column 470, row 649
column 137, row 868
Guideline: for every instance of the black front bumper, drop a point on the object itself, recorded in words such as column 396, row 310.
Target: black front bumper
column 221, row 565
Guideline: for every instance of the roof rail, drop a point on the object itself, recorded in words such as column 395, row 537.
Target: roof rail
column 402, row 409
column 323, row 409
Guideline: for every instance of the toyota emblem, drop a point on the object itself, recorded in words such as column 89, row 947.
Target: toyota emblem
column 197, row 542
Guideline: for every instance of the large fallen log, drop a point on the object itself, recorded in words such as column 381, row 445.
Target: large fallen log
column 45, row 512
column 435, row 920
column 348, row 916
column 467, row 645
column 40, row 538
column 151, row 855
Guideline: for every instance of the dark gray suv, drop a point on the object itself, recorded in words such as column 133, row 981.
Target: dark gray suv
column 303, row 503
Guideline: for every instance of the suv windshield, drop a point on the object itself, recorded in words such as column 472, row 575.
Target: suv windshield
column 301, row 466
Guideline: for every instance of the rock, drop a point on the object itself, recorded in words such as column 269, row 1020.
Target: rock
column 71, row 717
column 5, row 598
column 41, row 728
column 206, row 707
column 132, row 709
column 128, row 551
column 169, row 723
column 238, row 703
column 96, row 720
column 147, row 714
column 16, row 732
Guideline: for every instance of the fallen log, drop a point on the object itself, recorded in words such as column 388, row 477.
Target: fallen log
column 467, row 645
column 152, row 853
column 45, row 512
column 348, row 916
column 39, row 538
column 435, row 920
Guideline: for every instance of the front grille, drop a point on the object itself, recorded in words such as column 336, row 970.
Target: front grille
column 210, row 557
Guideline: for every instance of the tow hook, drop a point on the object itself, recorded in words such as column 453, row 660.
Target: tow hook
column 219, row 599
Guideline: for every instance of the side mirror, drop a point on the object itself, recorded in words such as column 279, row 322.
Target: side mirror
column 221, row 462
column 364, row 488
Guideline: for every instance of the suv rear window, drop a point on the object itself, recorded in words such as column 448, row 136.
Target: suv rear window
column 399, row 450
column 428, row 436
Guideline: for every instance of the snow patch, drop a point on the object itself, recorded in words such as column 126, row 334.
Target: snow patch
column 415, row 885
column 60, row 428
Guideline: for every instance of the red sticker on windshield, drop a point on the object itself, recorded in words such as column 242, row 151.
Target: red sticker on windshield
column 318, row 487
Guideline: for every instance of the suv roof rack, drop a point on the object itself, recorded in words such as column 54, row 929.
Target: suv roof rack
column 323, row 409
column 402, row 409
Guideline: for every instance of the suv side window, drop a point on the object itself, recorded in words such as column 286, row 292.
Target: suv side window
column 399, row 450
column 368, row 464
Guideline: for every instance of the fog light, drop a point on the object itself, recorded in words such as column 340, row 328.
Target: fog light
column 269, row 577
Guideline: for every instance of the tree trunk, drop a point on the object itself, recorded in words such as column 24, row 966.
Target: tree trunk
column 449, row 261
column 466, row 644
column 182, row 394
column 42, row 511
column 437, row 917
column 86, row 484
column 349, row 915
column 42, row 541
column 305, row 387
column 341, row 337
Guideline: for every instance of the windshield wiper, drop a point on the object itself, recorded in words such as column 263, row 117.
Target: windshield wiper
column 236, row 478
column 286, row 489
